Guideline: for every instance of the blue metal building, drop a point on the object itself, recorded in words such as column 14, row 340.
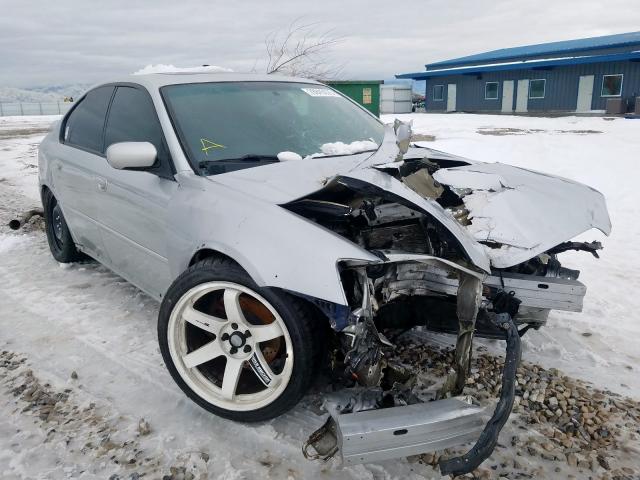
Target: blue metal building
column 568, row 76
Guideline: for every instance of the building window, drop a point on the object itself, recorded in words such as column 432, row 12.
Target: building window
column 366, row 96
column 438, row 93
column 536, row 88
column 491, row 91
column 611, row 86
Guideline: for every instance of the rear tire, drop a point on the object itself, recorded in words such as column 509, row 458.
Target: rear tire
column 216, row 309
column 59, row 237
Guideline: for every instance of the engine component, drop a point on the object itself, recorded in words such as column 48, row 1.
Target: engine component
column 364, row 360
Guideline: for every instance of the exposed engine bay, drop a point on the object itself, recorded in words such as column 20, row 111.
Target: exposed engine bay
column 426, row 277
column 418, row 280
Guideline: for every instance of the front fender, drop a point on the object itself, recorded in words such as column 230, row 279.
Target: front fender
column 276, row 247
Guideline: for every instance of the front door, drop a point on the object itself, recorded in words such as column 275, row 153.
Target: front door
column 451, row 97
column 133, row 215
column 522, row 98
column 507, row 96
column 585, row 93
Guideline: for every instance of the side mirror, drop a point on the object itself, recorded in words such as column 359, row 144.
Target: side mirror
column 131, row 155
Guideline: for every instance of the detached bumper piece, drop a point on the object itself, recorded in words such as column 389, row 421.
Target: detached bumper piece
column 376, row 435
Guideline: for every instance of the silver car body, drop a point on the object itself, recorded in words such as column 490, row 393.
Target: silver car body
column 148, row 229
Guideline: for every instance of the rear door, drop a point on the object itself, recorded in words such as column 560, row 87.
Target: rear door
column 133, row 213
column 76, row 165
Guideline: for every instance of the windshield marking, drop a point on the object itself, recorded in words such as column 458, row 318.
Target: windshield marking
column 208, row 145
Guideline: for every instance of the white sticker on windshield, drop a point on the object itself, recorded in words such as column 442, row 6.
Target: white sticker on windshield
column 320, row 92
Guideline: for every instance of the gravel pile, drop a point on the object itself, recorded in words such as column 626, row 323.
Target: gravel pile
column 578, row 430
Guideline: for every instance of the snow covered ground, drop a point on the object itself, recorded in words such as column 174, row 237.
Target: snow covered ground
column 84, row 319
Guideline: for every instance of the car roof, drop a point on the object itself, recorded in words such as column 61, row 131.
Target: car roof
column 154, row 81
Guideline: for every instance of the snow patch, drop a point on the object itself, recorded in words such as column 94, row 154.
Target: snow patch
column 340, row 148
column 9, row 242
column 288, row 156
column 162, row 68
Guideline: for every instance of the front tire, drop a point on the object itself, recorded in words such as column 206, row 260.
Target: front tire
column 59, row 237
column 240, row 351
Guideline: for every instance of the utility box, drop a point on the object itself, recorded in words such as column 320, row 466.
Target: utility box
column 396, row 98
column 616, row 106
column 364, row 92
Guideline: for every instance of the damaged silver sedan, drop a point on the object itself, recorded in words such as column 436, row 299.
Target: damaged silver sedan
column 285, row 230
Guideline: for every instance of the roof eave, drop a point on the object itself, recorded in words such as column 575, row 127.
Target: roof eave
column 520, row 66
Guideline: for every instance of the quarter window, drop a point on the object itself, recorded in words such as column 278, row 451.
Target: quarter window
column 491, row 91
column 132, row 118
column 611, row 86
column 85, row 123
column 438, row 92
column 537, row 88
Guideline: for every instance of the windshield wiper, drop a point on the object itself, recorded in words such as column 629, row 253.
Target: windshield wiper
column 250, row 157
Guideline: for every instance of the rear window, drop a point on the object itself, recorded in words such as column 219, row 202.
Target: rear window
column 85, row 124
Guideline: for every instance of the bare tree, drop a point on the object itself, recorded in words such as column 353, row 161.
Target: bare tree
column 301, row 50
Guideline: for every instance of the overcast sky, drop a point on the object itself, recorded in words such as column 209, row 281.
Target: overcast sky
column 78, row 41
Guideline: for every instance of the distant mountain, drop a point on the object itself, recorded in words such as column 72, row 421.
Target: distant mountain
column 73, row 90
column 41, row 94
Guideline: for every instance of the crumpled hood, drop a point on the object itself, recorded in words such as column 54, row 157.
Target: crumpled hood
column 515, row 213
column 520, row 213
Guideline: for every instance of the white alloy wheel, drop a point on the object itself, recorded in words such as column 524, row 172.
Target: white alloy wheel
column 230, row 346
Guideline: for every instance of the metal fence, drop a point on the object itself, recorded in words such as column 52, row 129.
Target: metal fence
column 49, row 108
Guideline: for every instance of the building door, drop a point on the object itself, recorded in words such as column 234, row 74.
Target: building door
column 507, row 96
column 451, row 97
column 522, row 97
column 585, row 93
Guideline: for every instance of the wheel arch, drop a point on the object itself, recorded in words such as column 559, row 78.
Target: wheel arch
column 43, row 189
column 207, row 252
column 321, row 310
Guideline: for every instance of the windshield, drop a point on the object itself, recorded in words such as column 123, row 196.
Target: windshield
column 245, row 122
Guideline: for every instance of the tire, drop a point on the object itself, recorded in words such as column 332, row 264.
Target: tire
column 212, row 327
column 59, row 237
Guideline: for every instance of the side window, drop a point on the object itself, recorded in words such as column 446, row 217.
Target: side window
column 85, row 124
column 133, row 118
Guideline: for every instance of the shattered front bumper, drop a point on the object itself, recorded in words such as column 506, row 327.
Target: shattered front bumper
column 372, row 435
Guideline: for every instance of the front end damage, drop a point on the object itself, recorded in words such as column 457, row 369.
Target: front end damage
column 449, row 266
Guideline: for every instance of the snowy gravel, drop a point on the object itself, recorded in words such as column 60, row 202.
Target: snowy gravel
column 84, row 319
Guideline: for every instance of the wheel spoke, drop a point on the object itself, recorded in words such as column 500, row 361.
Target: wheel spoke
column 262, row 369
column 266, row 332
column 232, row 371
column 201, row 320
column 232, row 306
column 203, row 354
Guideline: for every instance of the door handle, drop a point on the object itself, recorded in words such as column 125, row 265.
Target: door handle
column 102, row 184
